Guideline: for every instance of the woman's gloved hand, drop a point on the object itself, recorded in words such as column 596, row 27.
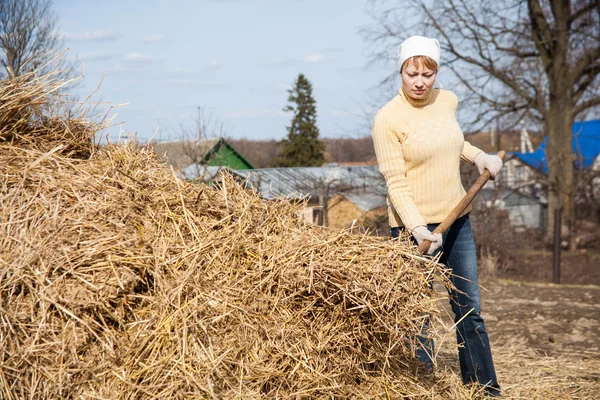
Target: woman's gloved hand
column 487, row 161
column 422, row 233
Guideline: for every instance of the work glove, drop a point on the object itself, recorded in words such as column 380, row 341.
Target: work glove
column 487, row 161
column 421, row 233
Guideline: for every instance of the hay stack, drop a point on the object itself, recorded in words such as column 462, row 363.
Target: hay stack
column 32, row 116
column 119, row 280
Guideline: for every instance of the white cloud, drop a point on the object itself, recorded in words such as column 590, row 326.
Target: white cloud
column 152, row 38
column 180, row 72
column 137, row 58
column 90, row 36
column 120, row 68
column 95, row 55
column 214, row 65
column 181, row 82
column 314, row 58
column 333, row 50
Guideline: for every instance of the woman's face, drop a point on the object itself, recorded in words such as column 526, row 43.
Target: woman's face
column 417, row 80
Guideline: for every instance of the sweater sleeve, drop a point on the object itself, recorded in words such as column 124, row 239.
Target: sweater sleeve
column 469, row 152
column 388, row 151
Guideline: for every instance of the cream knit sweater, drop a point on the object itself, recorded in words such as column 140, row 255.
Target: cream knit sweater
column 419, row 145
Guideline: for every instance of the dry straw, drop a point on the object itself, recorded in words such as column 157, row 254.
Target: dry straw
column 33, row 114
column 118, row 280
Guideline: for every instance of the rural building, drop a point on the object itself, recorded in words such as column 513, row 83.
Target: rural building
column 366, row 210
column 219, row 153
column 335, row 186
column 205, row 158
column 523, row 210
column 302, row 182
column 586, row 146
column 524, row 173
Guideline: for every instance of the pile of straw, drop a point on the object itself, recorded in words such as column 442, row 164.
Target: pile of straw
column 120, row 280
column 33, row 115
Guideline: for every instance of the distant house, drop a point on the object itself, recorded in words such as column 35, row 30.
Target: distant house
column 361, row 185
column 365, row 210
column 523, row 210
column 524, row 172
column 197, row 159
column 302, row 182
column 516, row 174
column 586, row 146
column 220, row 153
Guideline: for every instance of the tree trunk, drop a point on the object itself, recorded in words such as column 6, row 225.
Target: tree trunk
column 10, row 63
column 560, row 157
column 559, row 118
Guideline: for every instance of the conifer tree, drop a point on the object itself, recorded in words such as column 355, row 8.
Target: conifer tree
column 302, row 147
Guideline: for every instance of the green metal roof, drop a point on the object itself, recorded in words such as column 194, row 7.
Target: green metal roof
column 222, row 154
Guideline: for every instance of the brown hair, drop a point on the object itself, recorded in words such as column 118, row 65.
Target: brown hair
column 425, row 61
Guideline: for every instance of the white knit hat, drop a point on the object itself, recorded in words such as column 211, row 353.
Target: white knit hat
column 419, row 46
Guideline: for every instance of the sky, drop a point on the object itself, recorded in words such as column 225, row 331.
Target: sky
column 159, row 61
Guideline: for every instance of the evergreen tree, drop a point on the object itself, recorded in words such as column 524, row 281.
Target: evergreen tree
column 302, row 147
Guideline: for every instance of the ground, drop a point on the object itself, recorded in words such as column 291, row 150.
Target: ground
column 579, row 267
column 545, row 338
column 551, row 319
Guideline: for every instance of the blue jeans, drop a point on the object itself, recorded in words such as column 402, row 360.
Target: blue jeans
column 474, row 351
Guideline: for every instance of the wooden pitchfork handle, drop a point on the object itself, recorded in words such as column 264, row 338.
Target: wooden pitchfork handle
column 460, row 207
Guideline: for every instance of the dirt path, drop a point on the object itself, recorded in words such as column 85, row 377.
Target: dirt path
column 550, row 319
column 545, row 339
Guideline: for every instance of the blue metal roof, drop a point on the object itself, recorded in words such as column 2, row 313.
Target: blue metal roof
column 586, row 146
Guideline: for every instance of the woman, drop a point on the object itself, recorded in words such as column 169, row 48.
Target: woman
column 419, row 145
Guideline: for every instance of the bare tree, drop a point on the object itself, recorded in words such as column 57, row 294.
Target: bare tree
column 260, row 153
column 196, row 141
column 534, row 60
column 348, row 149
column 28, row 34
